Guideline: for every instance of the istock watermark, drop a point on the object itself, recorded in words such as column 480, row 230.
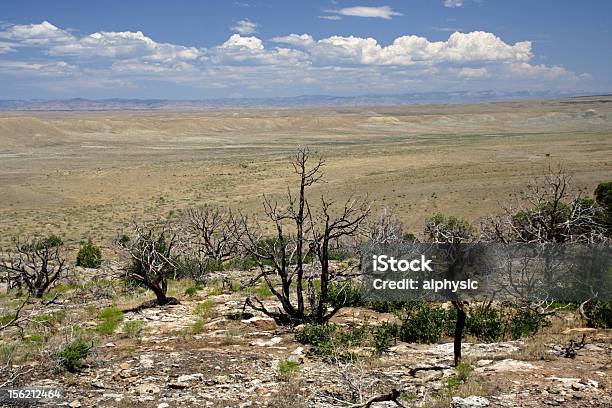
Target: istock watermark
column 385, row 263
column 408, row 271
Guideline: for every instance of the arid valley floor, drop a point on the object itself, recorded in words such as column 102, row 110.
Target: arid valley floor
column 86, row 175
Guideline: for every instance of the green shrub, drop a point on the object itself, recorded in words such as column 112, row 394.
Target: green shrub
column 5, row 319
column 263, row 290
column 386, row 306
column 602, row 315
column 235, row 286
column 205, row 308
column 191, row 291
column 73, row 354
column 384, row 336
column 243, row 264
column 198, row 326
column 287, row 369
column 107, row 327
column 110, row 316
column 196, row 269
column 450, row 322
column 354, row 336
column 439, row 226
column 525, row 322
column 111, row 313
column 319, row 337
column 91, row 310
column 421, row 323
column 453, row 382
column 331, row 342
column 122, row 239
column 314, row 333
column 487, row 325
column 603, row 197
column 37, row 244
column 216, row 291
column 7, row 352
column 346, row 294
column 50, row 318
column 89, row 256
column 134, row 329
column 34, row 340
column 463, row 371
column 410, row 237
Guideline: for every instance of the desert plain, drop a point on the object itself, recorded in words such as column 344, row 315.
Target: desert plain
column 86, row 175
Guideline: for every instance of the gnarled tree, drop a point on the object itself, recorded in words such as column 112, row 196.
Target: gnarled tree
column 386, row 229
column 548, row 212
column 36, row 264
column 548, row 215
column 299, row 251
column 152, row 252
column 212, row 236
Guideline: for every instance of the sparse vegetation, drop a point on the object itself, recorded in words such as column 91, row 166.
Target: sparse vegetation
column 73, row 354
column 89, row 256
column 205, row 309
column 134, row 329
column 287, row 369
column 298, row 280
column 110, row 318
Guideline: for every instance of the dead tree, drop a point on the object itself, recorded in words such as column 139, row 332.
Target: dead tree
column 36, row 264
column 152, row 259
column 212, row 235
column 301, row 234
column 547, row 212
column 453, row 235
column 546, row 217
column 386, row 229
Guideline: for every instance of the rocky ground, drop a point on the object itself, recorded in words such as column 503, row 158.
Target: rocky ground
column 205, row 352
column 188, row 355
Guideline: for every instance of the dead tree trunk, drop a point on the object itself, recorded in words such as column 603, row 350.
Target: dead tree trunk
column 301, row 234
column 459, row 326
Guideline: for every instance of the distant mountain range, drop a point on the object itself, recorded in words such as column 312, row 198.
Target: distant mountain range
column 80, row 104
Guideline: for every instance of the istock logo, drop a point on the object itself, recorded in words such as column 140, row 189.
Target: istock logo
column 384, row 263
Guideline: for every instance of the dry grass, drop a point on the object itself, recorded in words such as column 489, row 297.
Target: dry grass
column 86, row 175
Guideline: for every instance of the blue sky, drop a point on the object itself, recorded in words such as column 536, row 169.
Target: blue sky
column 210, row 49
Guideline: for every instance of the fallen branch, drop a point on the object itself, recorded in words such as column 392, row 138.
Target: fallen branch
column 571, row 350
column 391, row 396
column 151, row 304
column 414, row 370
column 14, row 321
column 51, row 301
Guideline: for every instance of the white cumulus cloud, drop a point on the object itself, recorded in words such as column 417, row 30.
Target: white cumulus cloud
column 44, row 33
column 411, row 49
column 121, row 45
column 245, row 27
column 247, row 63
column 384, row 12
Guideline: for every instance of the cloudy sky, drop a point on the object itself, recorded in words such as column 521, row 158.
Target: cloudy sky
column 209, row 49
